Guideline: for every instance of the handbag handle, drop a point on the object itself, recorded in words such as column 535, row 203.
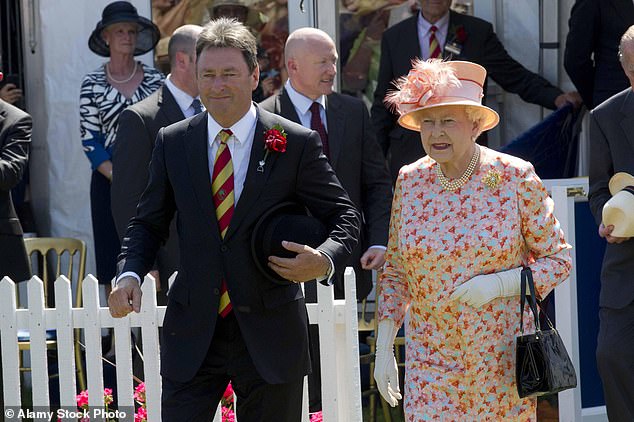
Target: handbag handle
column 527, row 279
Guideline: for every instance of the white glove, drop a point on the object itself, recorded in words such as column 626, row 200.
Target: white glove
column 385, row 368
column 484, row 288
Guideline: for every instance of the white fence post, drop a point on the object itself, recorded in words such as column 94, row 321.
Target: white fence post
column 92, row 334
column 149, row 323
column 65, row 342
column 9, row 340
column 37, row 330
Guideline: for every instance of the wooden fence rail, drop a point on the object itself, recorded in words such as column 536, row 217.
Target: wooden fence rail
column 337, row 321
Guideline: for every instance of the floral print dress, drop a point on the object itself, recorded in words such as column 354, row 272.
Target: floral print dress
column 460, row 360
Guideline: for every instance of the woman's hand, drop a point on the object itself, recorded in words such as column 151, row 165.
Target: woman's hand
column 482, row 289
column 385, row 367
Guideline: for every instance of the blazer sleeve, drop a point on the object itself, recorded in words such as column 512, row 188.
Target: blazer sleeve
column 376, row 186
column 319, row 190
column 132, row 151
column 601, row 167
column 14, row 151
column 580, row 44
column 149, row 229
column 510, row 74
column 383, row 119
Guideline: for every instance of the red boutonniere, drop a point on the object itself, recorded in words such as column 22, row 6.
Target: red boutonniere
column 454, row 46
column 274, row 141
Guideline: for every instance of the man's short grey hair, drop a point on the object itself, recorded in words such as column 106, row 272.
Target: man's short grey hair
column 626, row 39
column 183, row 40
column 229, row 33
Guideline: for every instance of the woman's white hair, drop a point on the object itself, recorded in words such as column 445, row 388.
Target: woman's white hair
column 476, row 115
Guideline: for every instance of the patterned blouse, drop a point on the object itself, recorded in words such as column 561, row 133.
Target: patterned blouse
column 99, row 107
column 460, row 359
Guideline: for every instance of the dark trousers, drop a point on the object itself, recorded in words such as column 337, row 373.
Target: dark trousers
column 107, row 245
column 228, row 360
column 615, row 360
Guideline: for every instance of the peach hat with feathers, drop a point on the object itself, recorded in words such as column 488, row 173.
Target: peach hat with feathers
column 437, row 83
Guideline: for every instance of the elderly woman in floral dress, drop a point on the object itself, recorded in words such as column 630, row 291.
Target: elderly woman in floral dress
column 465, row 220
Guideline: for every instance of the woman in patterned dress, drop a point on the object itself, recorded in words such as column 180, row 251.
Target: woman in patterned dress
column 121, row 81
column 465, row 219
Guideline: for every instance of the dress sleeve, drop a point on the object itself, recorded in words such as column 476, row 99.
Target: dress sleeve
column 394, row 296
column 548, row 254
column 92, row 136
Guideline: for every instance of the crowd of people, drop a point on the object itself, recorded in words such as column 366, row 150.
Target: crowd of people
column 191, row 171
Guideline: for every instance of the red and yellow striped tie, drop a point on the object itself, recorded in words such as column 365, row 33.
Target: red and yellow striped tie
column 223, row 196
column 434, row 47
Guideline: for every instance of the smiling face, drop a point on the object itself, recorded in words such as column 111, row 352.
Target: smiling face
column 121, row 37
column 225, row 83
column 312, row 65
column 448, row 136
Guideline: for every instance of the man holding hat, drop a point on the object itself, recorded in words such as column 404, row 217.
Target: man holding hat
column 611, row 167
column 221, row 171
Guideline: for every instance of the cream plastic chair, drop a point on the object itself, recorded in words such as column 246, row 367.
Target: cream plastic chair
column 64, row 252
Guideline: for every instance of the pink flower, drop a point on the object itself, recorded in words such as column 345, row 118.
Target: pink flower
column 140, row 415
column 228, row 415
column 82, row 399
column 107, row 396
column 228, row 392
column 139, row 393
column 316, row 417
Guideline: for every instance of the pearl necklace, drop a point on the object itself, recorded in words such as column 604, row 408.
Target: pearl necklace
column 128, row 79
column 455, row 184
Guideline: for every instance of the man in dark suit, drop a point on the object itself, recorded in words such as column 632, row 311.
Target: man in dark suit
column 138, row 126
column 590, row 58
column 15, row 139
column 612, row 151
column 457, row 37
column 215, row 171
column 354, row 154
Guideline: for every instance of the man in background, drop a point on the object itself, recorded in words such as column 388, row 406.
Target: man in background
column 590, row 58
column 437, row 32
column 348, row 141
column 612, row 151
column 138, row 126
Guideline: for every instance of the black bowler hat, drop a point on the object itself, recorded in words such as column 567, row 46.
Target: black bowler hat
column 285, row 221
column 122, row 11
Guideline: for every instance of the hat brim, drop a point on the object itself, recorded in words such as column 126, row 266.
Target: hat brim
column 411, row 120
column 277, row 224
column 147, row 36
column 620, row 181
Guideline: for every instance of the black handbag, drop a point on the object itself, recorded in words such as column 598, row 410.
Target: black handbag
column 542, row 365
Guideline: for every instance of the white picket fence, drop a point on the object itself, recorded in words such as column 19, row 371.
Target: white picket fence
column 337, row 321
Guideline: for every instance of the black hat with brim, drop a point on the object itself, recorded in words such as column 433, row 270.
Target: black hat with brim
column 285, row 221
column 122, row 11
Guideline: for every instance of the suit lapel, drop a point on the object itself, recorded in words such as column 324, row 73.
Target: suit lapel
column 411, row 43
column 627, row 122
column 286, row 107
column 168, row 106
column 255, row 180
column 336, row 127
column 198, row 166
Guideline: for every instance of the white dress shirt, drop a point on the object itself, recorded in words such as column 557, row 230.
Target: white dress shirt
column 302, row 106
column 424, row 31
column 183, row 99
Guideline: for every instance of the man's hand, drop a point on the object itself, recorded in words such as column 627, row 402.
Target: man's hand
column 157, row 279
column 606, row 232
column 125, row 297
column 373, row 259
column 10, row 93
column 571, row 97
column 309, row 263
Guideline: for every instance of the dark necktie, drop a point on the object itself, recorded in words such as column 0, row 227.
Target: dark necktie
column 197, row 106
column 434, row 47
column 317, row 125
column 223, row 195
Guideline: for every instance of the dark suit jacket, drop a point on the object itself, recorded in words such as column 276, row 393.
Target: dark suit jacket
column 399, row 46
column 272, row 317
column 595, row 30
column 612, row 151
column 132, row 151
column 357, row 160
column 15, row 139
